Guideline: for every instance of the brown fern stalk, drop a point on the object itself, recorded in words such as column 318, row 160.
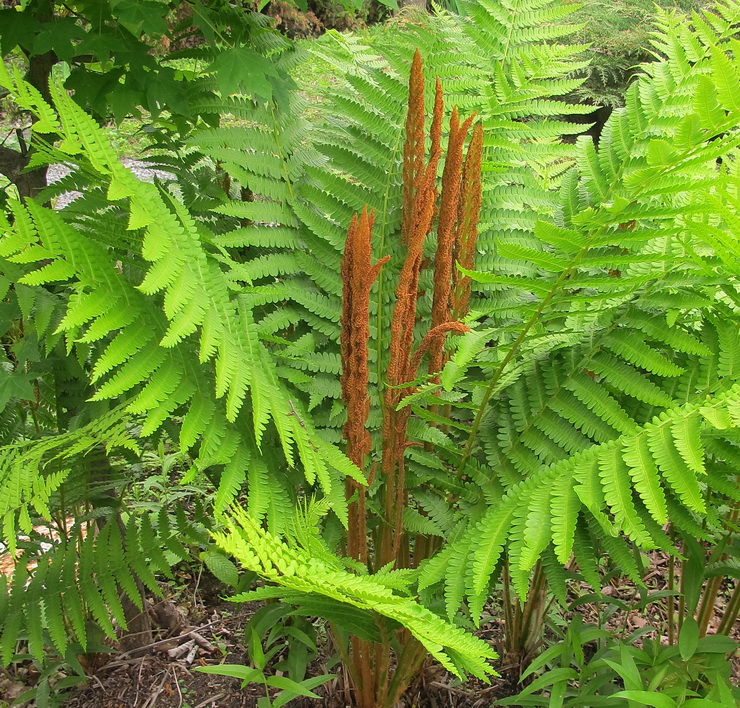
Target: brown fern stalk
column 448, row 214
column 435, row 338
column 413, row 148
column 404, row 311
column 358, row 275
column 400, row 371
column 466, row 233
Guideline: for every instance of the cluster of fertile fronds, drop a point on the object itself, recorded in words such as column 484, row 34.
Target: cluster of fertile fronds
column 457, row 217
column 419, row 208
column 418, row 212
column 359, row 160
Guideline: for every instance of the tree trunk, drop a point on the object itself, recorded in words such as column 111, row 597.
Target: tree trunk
column 12, row 163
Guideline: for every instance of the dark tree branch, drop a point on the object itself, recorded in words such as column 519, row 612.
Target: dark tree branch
column 12, row 163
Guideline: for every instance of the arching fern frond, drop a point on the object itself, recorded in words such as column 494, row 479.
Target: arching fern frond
column 294, row 569
column 597, row 483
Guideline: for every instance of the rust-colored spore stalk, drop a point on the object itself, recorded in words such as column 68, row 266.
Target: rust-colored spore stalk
column 358, row 276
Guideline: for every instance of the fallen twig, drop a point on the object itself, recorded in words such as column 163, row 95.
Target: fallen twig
column 211, row 701
column 121, row 661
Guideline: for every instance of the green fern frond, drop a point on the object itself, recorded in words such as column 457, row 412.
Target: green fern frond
column 82, row 577
column 293, row 569
column 603, row 475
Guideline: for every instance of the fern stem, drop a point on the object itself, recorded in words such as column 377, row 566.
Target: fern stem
column 532, row 614
column 707, row 611
column 483, row 405
column 732, row 612
column 410, row 660
column 361, row 653
column 671, row 609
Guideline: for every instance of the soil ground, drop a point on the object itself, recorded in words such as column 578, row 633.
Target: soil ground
column 198, row 627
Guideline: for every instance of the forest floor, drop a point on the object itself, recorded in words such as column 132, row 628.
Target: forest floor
column 198, row 626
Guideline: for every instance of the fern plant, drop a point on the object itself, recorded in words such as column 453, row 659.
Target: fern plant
column 147, row 306
column 613, row 430
column 599, row 310
column 594, row 398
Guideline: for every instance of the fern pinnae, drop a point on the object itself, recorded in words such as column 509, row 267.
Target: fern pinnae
column 258, row 483
column 123, row 346
column 135, row 558
column 687, row 439
column 618, row 494
column 133, row 371
column 232, row 477
column 645, row 476
column 152, row 548
column 564, row 510
column 570, row 408
column 117, row 565
column 106, row 580
column 597, row 399
column 491, row 533
column 673, row 468
column 629, row 379
column 454, row 576
column 585, row 555
column 641, row 355
column 161, row 385
column 622, row 556
column 537, row 528
column 119, row 316
column 32, row 615
column 432, row 570
column 589, row 488
column 196, row 420
column 13, row 609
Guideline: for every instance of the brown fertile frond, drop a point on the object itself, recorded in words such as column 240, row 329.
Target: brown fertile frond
column 358, row 275
column 403, row 319
column 466, row 235
column 404, row 311
column 448, row 211
column 435, row 132
column 413, row 149
column 434, row 337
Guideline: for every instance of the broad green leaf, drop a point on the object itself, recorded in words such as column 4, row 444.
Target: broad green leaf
column 243, row 68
